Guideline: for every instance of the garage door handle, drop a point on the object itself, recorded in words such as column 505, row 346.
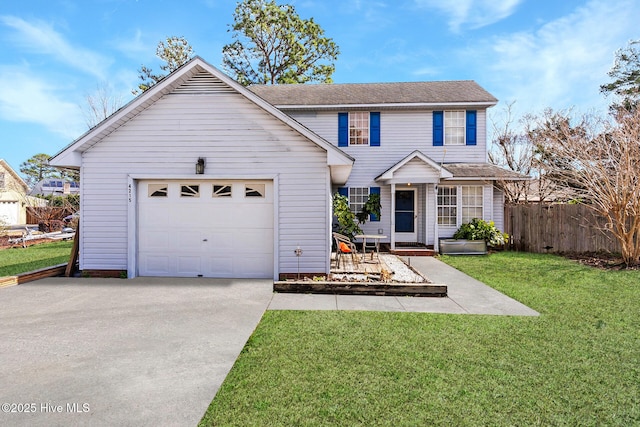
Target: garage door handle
column 205, row 240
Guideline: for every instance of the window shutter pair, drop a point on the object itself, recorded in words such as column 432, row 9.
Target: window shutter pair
column 374, row 129
column 344, row 191
column 438, row 128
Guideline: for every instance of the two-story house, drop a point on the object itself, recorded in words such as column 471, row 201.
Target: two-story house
column 422, row 146
column 200, row 176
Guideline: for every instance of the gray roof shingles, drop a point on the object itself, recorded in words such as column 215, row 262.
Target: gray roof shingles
column 461, row 91
column 482, row 170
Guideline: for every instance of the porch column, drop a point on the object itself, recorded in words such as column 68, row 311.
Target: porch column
column 435, row 222
column 426, row 214
column 393, row 217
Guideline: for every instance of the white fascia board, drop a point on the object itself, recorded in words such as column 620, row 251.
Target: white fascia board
column 486, row 178
column 427, row 105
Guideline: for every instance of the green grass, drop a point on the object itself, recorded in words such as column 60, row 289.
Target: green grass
column 576, row 364
column 21, row 260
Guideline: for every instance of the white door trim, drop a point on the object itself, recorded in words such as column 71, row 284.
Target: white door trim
column 407, row 237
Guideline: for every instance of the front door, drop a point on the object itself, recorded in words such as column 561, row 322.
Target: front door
column 405, row 216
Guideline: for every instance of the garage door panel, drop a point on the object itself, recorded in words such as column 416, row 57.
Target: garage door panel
column 155, row 239
column 189, row 240
column 210, row 235
column 155, row 265
column 220, row 266
column 189, row 265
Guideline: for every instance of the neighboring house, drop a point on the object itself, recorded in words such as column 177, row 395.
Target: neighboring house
column 55, row 187
column 13, row 196
column 200, row 176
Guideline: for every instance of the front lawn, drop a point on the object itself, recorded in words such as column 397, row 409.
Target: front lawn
column 21, row 260
column 576, row 364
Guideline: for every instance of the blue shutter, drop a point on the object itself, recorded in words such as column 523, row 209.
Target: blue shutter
column 374, row 132
column 438, row 128
column 343, row 129
column 343, row 191
column 374, row 190
column 471, row 127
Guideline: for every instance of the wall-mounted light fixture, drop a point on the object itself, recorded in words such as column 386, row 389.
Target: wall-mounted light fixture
column 200, row 166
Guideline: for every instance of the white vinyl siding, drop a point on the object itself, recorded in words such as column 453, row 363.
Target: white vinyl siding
column 401, row 132
column 238, row 139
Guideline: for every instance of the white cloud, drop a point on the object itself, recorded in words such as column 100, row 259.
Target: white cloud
column 472, row 13
column 40, row 37
column 562, row 63
column 26, row 98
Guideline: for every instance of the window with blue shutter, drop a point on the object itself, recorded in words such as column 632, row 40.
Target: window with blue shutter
column 374, row 123
column 438, row 128
column 374, row 190
column 343, row 191
column 343, row 129
column 471, row 127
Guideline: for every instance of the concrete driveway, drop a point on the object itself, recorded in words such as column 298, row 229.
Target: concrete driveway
column 121, row 352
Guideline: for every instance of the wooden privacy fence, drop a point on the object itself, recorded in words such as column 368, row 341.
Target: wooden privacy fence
column 557, row 228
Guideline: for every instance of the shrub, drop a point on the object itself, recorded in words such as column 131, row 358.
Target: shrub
column 347, row 223
column 50, row 226
column 479, row 229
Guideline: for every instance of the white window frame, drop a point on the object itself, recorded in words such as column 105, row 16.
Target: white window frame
column 464, row 200
column 455, row 127
column 448, row 207
column 359, row 128
column 358, row 196
column 472, row 201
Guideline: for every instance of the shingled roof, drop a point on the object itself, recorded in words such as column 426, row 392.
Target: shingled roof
column 482, row 170
column 445, row 92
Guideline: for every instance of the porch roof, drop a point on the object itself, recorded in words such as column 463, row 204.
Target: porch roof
column 418, row 168
column 415, row 168
column 483, row 171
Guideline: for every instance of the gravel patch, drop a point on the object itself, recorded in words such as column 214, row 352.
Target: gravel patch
column 402, row 273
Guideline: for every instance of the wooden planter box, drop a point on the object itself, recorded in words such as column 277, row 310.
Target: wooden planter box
column 463, row 247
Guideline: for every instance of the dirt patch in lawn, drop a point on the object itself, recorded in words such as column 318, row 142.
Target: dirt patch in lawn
column 601, row 260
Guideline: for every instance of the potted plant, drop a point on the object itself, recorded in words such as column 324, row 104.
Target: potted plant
column 473, row 238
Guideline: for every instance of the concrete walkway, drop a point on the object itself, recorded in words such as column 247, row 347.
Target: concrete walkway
column 466, row 295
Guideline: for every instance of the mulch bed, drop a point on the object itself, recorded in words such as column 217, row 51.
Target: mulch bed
column 603, row 261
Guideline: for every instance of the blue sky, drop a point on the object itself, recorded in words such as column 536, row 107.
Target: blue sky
column 538, row 53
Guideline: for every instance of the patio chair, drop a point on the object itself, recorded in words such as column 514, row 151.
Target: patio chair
column 344, row 246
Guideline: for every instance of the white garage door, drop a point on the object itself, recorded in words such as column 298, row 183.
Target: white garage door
column 9, row 212
column 205, row 228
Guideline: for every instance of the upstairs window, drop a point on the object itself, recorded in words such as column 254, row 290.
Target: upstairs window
column 454, row 127
column 358, row 128
column 2, row 184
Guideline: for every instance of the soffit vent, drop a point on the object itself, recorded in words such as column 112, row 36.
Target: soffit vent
column 202, row 83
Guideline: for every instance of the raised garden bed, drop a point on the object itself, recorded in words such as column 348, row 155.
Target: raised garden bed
column 361, row 288
column 463, row 247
